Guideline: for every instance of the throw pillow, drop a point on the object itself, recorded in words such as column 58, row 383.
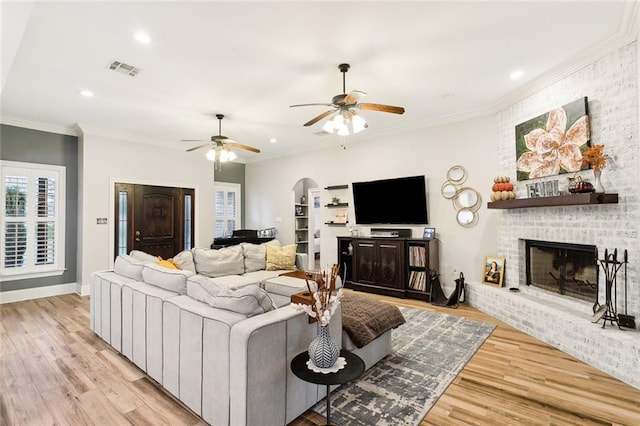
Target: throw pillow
column 129, row 266
column 216, row 263
column 283, row 257
column 168, row 279
column 250, row 300
column 169, row 263
column 184, row 260
column 143, row 256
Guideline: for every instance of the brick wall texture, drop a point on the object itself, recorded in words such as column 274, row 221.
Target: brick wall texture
column 610, row 86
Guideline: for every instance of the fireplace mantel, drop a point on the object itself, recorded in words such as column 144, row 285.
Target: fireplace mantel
column 562, row 200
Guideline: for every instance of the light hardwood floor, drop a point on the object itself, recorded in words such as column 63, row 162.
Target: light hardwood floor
column 55, row 370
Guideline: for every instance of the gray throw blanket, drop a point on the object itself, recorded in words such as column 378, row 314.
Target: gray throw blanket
column 364, row 319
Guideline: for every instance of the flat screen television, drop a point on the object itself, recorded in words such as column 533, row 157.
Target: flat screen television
column 400, row 201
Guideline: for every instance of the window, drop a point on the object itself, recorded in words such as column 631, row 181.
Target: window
column 32, row 220
column 227, row 208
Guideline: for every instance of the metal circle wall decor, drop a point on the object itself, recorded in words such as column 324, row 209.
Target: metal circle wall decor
column 457, row 174
column 466, row 200
column 448, row 190
column 466, row 217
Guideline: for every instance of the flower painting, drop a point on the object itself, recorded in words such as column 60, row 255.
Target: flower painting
column 553, row 143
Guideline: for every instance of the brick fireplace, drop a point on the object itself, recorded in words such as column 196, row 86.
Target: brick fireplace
column 610, row 83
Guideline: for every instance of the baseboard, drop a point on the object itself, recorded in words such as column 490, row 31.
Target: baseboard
column 83, row 289
column 39, row 292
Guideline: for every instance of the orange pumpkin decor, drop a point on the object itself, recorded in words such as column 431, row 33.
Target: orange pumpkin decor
column 502, row 189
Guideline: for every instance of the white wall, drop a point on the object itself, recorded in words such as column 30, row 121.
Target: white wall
column 428, row 151
column 104, row 161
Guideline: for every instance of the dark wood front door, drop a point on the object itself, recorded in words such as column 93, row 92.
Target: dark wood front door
column 155, row 219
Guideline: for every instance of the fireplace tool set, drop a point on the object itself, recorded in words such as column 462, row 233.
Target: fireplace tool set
column 607, row 312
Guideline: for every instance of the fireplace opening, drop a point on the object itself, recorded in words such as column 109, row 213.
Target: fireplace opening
column 564, row 268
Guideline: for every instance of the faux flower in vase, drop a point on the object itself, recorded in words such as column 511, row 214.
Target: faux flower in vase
column 595, row 157
column 323, row 352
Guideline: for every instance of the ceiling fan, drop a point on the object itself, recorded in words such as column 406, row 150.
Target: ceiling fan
column 220, row 146
column 345, row 120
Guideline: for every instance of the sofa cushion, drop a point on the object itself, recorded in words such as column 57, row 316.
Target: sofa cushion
column 168, row 279
column 142, row 256
column 283, row 257
column 250, row 300
column 234, row 282
column 184, row 260
column 216, row 263
column 261, row 276
column 255, row 257
column 286, row 286
column 128, row 266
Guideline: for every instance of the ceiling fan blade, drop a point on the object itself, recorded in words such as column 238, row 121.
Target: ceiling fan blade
column 354, row 96
column 192, row 140
column 198, row 147
column 245, row 147
column 299, row 105
column 318, row 118
column 382, row 108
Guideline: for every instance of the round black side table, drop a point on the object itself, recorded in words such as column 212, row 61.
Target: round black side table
column 351, row 371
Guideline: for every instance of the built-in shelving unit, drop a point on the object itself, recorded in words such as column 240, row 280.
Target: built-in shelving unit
column 301, row 228
column 588, row 198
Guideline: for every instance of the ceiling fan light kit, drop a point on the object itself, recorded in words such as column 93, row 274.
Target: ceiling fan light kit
column 220, row 150
column 344, row 121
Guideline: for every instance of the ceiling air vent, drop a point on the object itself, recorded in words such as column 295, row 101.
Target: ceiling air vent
column 123, row 68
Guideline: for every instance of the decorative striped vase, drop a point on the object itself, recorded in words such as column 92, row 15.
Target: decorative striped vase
column 323, row 352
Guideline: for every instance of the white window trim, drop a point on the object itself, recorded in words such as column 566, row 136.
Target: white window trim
column 230, row 187
column 37, row 271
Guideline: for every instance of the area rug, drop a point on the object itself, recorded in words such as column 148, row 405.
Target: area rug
column 429, row 351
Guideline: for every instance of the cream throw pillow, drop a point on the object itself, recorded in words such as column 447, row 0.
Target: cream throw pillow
column 281, row 257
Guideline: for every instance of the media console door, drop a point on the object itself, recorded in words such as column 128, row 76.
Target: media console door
column 379, row 263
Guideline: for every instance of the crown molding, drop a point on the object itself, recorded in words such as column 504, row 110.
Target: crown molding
column 44, row 127
column 627, row 33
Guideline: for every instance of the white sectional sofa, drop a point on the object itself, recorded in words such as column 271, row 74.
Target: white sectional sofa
column 221, row 344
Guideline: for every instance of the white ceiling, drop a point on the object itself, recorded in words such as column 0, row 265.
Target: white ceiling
column 251, row 60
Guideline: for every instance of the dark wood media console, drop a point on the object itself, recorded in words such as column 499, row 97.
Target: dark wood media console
column 391, row 266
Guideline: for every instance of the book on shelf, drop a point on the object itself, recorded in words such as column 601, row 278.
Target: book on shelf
column 418, row 280
column 417, row 256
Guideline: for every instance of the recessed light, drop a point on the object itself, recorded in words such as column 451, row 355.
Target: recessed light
column 86, row 93
column 516, row 74
column 273, row 140
column 142, row 37
column 447, row 96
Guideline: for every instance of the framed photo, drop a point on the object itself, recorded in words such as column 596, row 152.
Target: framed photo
column 493, row 271
column 429, row 233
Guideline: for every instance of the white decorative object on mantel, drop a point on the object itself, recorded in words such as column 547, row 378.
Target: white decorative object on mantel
column 340, row 363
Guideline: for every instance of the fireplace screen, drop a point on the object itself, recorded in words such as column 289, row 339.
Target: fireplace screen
column 568, row 269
